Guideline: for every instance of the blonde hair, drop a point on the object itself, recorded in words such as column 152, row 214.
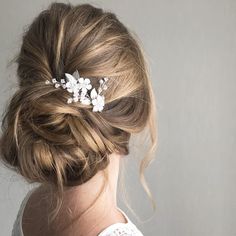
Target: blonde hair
column 49, row 141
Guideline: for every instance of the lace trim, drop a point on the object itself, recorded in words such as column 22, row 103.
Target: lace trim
column 121, row 230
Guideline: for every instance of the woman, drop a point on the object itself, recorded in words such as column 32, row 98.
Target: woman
column 83, row 90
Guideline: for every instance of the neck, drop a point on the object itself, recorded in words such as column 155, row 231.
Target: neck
column 83, row 195
column 76, row 200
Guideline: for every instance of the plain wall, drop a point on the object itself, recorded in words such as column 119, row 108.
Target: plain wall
column 191, row 48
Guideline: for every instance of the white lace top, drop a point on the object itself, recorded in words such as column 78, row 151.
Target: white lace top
column 117, row 229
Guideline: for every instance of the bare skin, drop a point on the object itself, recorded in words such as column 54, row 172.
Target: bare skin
column 75, row 201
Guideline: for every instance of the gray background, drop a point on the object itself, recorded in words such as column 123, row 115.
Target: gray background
column 191, row 46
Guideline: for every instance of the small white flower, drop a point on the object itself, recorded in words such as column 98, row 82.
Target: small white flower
column 69, row 100
column 57, row 85
column 98, row 103
column 105, row 87
column 71, row 83
column 97, row 100
column 47, row 82
column 54, row 80
column 84, row 84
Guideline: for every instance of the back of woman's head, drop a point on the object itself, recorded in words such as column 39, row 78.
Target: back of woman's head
column 49, row 141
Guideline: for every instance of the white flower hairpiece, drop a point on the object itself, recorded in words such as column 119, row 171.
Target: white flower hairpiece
column 79, row 87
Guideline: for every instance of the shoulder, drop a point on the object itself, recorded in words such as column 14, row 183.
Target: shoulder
column 17, row 230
